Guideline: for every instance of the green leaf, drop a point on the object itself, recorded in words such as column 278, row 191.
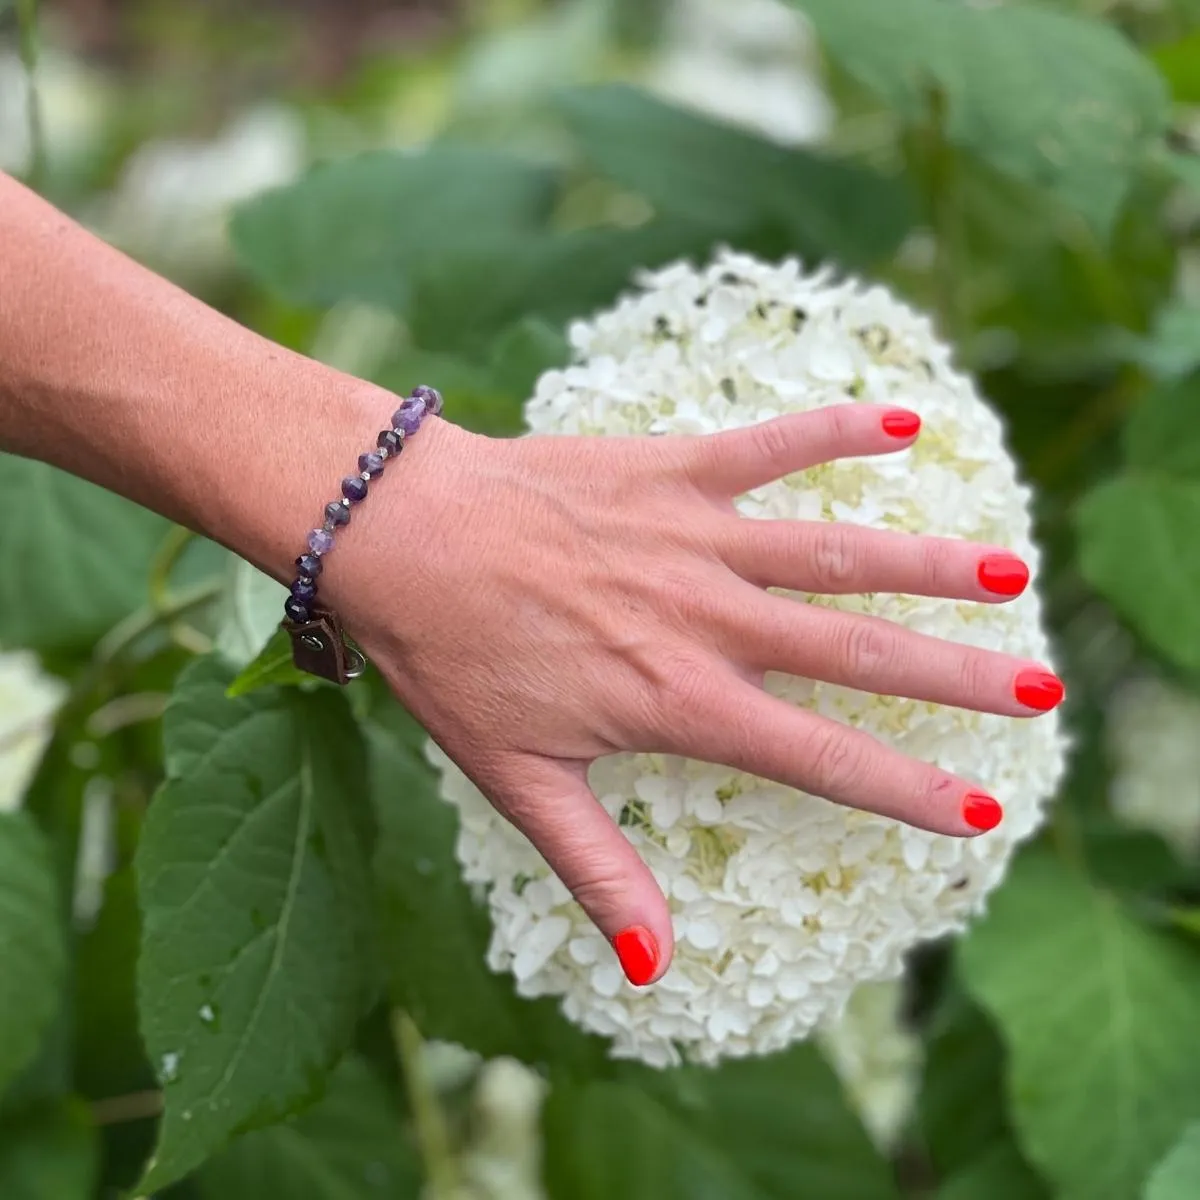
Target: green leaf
column 1138, row 547
column 274, row 665
column 1179, row 63
column 716, row 175
column 355, row 229
column 350, row 1146
column 434, row 934
column 249, row 613
column 758, row 1129
column 1099, row 1016
column 1172, row 348
column 1164, row 432
column 523, row 353
column 1177, row 1177
column 1054, row 99
column 253, row 878
column 77, row 558
column 49, row 1154
column 32, row 953
column 999, row 1174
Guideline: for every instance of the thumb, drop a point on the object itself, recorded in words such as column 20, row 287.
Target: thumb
column 550, row 802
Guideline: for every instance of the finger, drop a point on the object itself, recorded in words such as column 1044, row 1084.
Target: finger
column 736, row 460
column 551, row 803
column 839, row 559
column 777, row 633
column 751, row 731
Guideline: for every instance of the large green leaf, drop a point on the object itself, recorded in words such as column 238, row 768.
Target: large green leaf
column 350, row 1146
column 1172, row 348
column 357, row 228
column 254, row 886
column 1099, row 1016
column 1054, row 99
column 1164, row 432
column 999, row 1174
column 720, row 176
column 32, row 955
column 76, row 556
column 435, row 935
column 1177, row 1177
column 771, row 1128
column 1138, row 546
column 48, row 1153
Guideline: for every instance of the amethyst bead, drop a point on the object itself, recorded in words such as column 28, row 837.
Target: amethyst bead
column 408, row 416
column 309, row 565
column 390, row 441
column 320, row 541
column 296, row 610
column 304, row 590
column 354, row 488
column 371, row 463
column 432, row 398
column 336, row 513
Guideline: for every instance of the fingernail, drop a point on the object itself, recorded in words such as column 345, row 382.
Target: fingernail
column 901, row 423
column 1003, row 574
column 1039, row 690
column 638, row 952
column 980, row 811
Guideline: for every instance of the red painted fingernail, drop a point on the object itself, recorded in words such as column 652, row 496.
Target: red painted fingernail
column 638, row 952
column 1002, row 574
column 980, row 811
column 1039, row 690
column 901, row 423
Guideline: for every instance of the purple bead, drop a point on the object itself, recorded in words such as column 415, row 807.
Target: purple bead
column 296, row 610
column 371, row 463
column 354, row 488
column 308, row 565
column 336, row 513
column 390, row 441
column 432, row 398
column 304, row 590
column 408, row 416
column 320, row 541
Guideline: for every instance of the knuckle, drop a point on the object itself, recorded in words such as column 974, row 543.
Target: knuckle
column 773, row 441
column 936, row 563
column 835, row 763
column 867, row 649
column 836, row 556
column 977, row 675
column 842, row 422
column 686, row 688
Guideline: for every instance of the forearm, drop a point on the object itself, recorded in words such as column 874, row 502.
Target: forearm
column 114, row 374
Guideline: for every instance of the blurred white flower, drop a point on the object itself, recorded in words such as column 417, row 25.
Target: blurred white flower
column 504, row 1159
column 752, row 64
column 783, row 903
column 1154, row 747
column 74, row 106
column 878, row 1059
column 29, row 699
column 174, row 197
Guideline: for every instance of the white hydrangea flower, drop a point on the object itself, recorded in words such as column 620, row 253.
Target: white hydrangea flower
column 783, row 903
column 28, row 700
column 753, row 64
column 1153, row 737
column 878, row 1059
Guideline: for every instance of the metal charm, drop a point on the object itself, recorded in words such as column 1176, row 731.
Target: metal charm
column 319, row 647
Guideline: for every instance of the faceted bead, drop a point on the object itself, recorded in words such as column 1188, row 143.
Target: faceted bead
column 337, row 513
column 309, row 565
column 408, row 416
column 296, row 610
column 354, row 489
column 320, row 541
column 304, row 590
column 371, row 463
column 390, row 440
column 432, row 398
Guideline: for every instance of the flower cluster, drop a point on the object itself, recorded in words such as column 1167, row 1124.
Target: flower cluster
column 28, row 701
column 783, row 903
column 1155, row 753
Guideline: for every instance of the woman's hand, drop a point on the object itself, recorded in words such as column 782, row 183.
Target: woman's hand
column 555, row 599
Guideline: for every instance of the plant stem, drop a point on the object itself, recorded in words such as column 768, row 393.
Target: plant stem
column 117, row 1110
column 27, row 25
column 433, row 1137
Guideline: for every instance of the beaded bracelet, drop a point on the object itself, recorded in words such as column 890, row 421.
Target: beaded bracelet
column 318, row 643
